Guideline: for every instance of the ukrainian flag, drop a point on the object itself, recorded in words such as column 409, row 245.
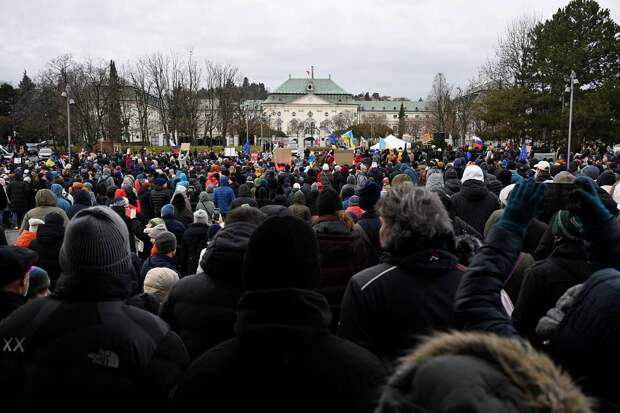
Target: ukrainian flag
column 347, row 139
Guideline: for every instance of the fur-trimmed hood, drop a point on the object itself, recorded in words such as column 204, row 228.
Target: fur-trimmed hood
column 476, row 372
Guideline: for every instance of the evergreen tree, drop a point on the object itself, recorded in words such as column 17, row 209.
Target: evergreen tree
column 114, row 106
column 401, row 120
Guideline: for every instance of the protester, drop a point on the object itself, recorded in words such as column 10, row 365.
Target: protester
column 195, row 239
column 201, row 307
column 388, row 307
column 19, row 193
column 15, row 264
column 45, row 203
column 166, row 246
column 299, row 209
column 223, row 196
column 157, row 285
column 38, row 283
column 50, row 236
column 474, row 203
column 282, row 340
column 115, row 352
column 160, row 195
column 81, row 200
column 25, row 239
column 369, row 224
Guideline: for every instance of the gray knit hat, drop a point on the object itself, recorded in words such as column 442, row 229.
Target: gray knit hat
column 96, row 243
column 165, row 242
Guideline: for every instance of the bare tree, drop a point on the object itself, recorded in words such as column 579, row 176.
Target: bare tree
column 158, row 69
column 344, row 120
column 224, row 80
column 142, row 88
column 512, row 54
column 442, row 104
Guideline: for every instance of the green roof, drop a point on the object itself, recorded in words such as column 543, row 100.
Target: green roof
column 393, row 106
column 294, row 86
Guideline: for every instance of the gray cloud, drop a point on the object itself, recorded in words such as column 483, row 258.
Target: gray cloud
column 392, row 46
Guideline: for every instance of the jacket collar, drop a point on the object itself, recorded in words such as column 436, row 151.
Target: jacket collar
column 91, row 287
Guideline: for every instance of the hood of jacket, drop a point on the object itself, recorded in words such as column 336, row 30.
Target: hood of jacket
column 474, row 189
column 50, row 234
column 91, row 287
column 57, row 190
column 330, row 224
column 261, row 321
column 224, row 181
column 82, row 198
column 205, row 196
column 223, row 258
column 434, row 180
column 45, row 197
column 480, row 373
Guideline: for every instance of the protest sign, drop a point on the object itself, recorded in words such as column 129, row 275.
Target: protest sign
column 230, row 152
column 185, row 146
column 344, row 156
column 282, row 155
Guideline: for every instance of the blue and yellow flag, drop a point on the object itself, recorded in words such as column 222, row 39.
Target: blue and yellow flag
column 348, row 139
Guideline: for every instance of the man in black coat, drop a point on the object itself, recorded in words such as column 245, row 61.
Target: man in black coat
column 166, row 246
column 388, row 307
column 283, row 357
column 370, row 223
column 195, row 239
column 84, row 337
column 201, row 308
column 160, row 195
column 19, row 193
column 50, row 236
column 15, row 263
column 474, row 203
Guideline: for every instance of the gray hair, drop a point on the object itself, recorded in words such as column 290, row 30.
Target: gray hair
column 413, row 214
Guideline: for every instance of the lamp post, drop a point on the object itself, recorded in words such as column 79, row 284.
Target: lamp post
column 573, row 82
column 70, row 102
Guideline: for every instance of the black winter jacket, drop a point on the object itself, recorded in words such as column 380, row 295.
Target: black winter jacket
column 201, row 308
column 474, row 204
column 546, row 281
column 47, row 245
column 283, row 358
column 157, row 261
column 195, row 239
column 20, row 195
column 388, row 307
column 159, row 197
column 85, row 338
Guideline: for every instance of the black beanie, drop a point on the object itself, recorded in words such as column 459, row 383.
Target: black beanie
column 96, row 243
column 298, row 264
column 14, row 263
column 54, row 218
column 329, row 202
column 369, row 196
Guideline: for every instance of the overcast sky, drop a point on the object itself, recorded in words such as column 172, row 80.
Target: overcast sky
column 394, row 47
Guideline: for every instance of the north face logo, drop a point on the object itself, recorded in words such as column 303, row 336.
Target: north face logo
column 105, row 358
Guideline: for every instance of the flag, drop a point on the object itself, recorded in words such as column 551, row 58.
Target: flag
column 246, row 147
column 476, row 142
column 381, row 144
column 347, row 139
column 332, row 139
column 523, row 154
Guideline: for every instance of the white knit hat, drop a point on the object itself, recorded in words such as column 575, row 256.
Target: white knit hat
column 201, row 217
column 503, row 195
column 159, row 282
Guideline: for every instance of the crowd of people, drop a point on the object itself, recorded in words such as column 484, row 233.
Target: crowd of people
column 405, row 281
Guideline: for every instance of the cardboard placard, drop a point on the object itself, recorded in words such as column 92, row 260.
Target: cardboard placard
column 254, row 156
column 185, row 146
column 344, row 156
column 17, row 161
column 282, row 155
column 230, row 152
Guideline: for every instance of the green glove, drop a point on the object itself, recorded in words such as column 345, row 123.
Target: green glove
column 592, row 212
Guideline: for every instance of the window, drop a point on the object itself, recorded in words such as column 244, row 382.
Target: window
column 339, row 100
column 279, row 113
column 417, row 116
column 395, row 116
column 309, row 87
column 394, row 107
column 293, row 114
column 326, row 114
column 310, row 114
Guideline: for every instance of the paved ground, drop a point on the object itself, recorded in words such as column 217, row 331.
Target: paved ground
column 11, row 235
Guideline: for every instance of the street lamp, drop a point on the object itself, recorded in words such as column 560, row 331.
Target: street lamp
column 70, row 102
column 573, row 82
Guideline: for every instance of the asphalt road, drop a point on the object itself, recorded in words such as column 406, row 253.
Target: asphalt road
column 11, row 236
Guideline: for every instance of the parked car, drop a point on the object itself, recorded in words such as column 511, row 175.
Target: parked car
column 5, row 153
column 45, row 153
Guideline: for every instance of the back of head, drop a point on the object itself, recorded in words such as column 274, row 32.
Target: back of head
column 165, row 242
column 329, row 202
column 472, row 172
column 45, row 197
column 159, row 282
column 245, row 213
column 413, row 217
column 167, row 211
column 298, row 255
column 463, row 372
column 201, row 217
column 369, row 195
column 14, row 263
column 96, row 243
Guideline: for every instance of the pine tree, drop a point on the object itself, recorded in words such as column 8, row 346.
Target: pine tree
column 114, row 106
column 401, row 120
column 26, row 84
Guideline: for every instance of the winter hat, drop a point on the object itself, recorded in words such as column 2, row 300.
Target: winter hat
column 325, row 167
column 591, row 171
column 543, row 166
column 564, row 177
column 160, row 181
column 567, row 225
column 298, row 249
column 296, row 185
column 607, row 178
column 354, row 200
column 328, row 202
column 96, row 243
column 473, row 172
column 159, row 282
column 495, row 186
column 503, row 195
column 39, row 281
column 153, row 232
column 201, row 217
column 121, row 201
column 54, row 218
column 14, row 263
column 167, row 211
column 153, row 222
column 165, row 242
column 369, row 195
column 33, row 224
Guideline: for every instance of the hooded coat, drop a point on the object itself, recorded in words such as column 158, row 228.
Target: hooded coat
column 452, row 183
column 205, row 202
column 46, row 203
column 81, row 200
column 284, row 360
column 482, row 373
column 474, row 204
column 85, row 338
column 243, row 197
column 195, row 239
column 223, row 196
column 19, row 192
column 160, row 196
column 201, row 307
column 61, row 202
column 49, row 240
